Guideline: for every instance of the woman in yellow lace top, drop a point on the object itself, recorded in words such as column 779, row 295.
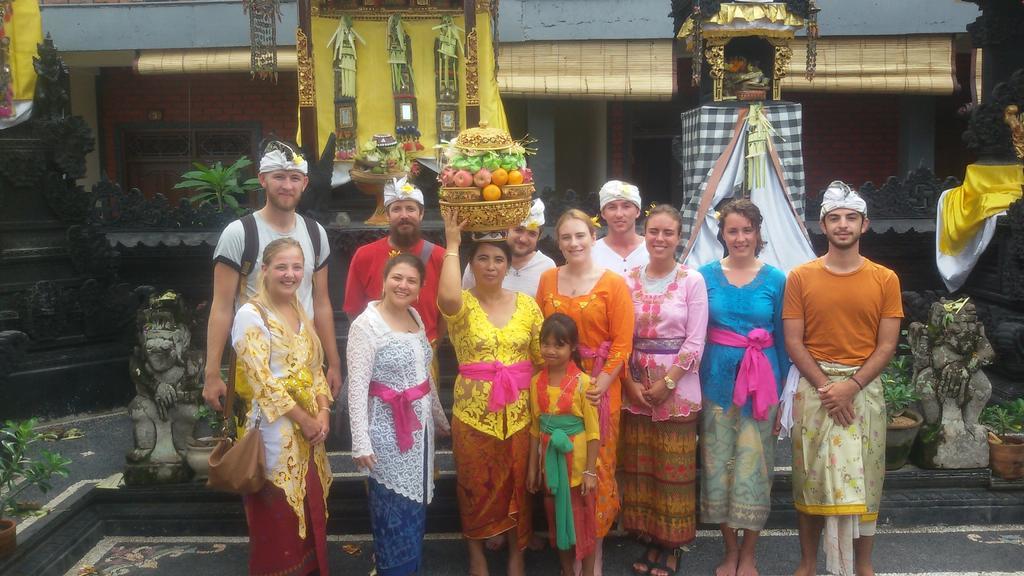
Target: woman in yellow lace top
column 495, row 333
column 282, row 360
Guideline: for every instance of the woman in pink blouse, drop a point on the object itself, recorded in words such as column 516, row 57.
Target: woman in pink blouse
column 662, row 398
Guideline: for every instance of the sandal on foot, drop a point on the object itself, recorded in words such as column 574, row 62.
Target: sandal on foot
column 645, row 561
column 663, row 566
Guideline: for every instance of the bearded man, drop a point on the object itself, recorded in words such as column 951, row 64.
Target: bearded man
column 283, row 177
column 403, row 203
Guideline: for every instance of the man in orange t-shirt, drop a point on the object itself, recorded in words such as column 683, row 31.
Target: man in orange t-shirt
column 841, row 318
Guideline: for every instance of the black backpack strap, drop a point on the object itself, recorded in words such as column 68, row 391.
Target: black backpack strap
column 428, row 249
column 250, row 245
column 313, row 230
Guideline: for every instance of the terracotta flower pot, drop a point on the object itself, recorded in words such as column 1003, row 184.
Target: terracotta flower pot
column 8, row 538
column 1007, row 459
column 899, row 439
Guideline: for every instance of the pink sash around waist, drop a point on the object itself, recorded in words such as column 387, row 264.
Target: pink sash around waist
column 600, row 356
column 755, row 377
column 506, row 381
column 402, row 413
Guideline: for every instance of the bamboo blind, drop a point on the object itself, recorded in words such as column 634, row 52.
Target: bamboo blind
column 917, row 64
column 207, row 61
column 605, row 70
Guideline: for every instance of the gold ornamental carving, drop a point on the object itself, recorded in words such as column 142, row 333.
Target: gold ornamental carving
column 715, row 55
column 783, row 54
column 1016, row 124
column 307, row 86
column 472, row 70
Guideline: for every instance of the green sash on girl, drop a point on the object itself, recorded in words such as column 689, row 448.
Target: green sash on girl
column 560, row 428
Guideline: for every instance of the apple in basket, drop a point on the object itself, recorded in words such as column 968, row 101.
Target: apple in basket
column 463, row 179
column 482, row 178
column 447, row 176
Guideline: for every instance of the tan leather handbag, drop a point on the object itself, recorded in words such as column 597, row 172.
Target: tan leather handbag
column 238, row 467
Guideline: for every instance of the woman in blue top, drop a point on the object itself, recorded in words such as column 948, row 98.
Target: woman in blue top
column 742, row 374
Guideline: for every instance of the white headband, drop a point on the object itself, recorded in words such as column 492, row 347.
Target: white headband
column 536, row 218
column 616, row 190
column 401, row 189
column 277, row 160
column 840, row 195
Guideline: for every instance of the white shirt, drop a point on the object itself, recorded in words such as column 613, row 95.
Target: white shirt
column 231, row 244
column 605, row 257
column 525, row 279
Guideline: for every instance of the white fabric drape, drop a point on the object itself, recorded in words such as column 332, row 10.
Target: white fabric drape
column 955, row 269
column 787, row 243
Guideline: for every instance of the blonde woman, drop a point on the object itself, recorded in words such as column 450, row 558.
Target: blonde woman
column 282, row 359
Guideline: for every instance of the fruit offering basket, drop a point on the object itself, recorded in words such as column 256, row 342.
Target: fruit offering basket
column 486, row 179
column 379, row 161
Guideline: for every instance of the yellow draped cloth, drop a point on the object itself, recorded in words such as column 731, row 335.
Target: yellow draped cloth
column 25, row 31
column 986, row 191
column 375, row 108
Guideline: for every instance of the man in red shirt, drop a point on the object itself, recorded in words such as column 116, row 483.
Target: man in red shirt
column 404, row 205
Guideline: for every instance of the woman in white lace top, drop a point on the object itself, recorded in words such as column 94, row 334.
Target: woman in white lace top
column 394, row 409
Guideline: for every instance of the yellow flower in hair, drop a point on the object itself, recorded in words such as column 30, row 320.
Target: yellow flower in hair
column 596, row 221
column 392, row 253
column 532, row 225
column 650, row 209
column 717, row 215
column 297, row 159
column 407, row 189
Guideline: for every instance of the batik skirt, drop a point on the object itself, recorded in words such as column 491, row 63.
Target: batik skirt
column 658, row 475
column 737, row 467
column 583, row 517
column 491, row 483
column 275, row 548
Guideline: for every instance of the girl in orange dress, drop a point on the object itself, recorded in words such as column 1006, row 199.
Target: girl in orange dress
column 599, row 302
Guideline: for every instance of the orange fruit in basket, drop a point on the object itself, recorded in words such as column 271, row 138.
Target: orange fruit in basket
column 499, row 177
column 515, row 177
column 492, row 192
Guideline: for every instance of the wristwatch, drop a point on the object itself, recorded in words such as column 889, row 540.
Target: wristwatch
column 669, row 383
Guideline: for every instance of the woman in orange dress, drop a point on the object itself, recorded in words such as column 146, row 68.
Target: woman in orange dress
column 599, row 302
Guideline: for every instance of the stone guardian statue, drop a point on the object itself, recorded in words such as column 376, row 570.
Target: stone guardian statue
column 167, row 377
column 949, row 352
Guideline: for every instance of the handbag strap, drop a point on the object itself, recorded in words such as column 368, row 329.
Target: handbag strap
column 229, row 403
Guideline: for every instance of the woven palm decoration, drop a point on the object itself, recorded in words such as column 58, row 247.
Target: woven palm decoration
column 263, row 18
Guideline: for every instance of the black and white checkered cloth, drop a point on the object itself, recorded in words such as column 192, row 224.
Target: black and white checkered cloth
column 706, row 133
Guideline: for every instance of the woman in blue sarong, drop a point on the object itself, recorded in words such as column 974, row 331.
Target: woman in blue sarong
column 393, row 408
column 741, row 376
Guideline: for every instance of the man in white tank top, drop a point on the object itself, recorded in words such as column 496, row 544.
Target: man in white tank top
column 622, row 249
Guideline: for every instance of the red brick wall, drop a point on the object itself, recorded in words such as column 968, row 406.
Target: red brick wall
column 126, row 97
column 849, row 137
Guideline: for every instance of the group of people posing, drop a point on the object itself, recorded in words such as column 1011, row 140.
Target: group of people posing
column 586, row 385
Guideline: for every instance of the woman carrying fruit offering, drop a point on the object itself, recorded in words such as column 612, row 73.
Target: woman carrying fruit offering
column 663, row 400
column 598, row 300
column 496, row 336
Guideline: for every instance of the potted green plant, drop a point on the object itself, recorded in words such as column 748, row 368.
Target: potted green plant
column 903, row 423
column 218, row 184
column 1005, row 422
column 209, row 425
column 22, row 468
